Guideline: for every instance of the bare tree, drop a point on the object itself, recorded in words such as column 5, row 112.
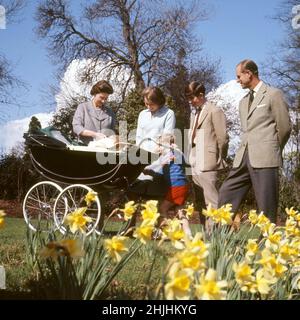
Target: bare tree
column 12, row 9
column 7, row 79
column 143, row 36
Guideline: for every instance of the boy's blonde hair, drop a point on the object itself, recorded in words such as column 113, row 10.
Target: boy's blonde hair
column 166, row 139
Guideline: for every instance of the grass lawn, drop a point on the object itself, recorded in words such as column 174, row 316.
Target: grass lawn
column 129, row 284
column 133, row 282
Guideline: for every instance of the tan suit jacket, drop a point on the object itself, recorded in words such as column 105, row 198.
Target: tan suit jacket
column 210, row 146
column 265, row 128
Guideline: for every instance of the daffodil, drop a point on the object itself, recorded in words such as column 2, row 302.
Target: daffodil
column 2, row 221
column 197, row 245
column 150, row 212
column 273, row 240
column 90, row 197
column 210, row 211
column 173, row 231
column 129, row 210
column 268, row 259
column 225, row 214
column 252, row 248
column 222, row 215
column 144, row 231
column 291, row 228
column 115, row 246
column 77, row 220
column 291, row 212
column 262, row 220
column 287, row 252
column 263, row 281
column 243, row 274
column 64, row 248
column 189, row 210
column 253, row 217
column 209, row 288
column 191, row 260
column 179, row 285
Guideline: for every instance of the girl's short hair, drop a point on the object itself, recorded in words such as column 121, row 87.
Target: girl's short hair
column 154, row 95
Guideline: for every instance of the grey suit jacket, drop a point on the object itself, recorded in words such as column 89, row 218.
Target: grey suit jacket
column 265, row 129
column 211, row 141
column 87, row 117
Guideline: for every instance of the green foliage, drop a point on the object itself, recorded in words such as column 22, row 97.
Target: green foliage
column 16, row 175
column 129, row 110
column 62, row 119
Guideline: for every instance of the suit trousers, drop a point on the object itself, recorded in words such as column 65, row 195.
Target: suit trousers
column 206, row 183
column 265, row 182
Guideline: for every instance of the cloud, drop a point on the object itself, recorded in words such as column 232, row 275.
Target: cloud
column 12, row 132
column 72, row 85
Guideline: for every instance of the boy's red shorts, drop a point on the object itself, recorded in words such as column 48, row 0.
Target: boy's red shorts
column 177, row 195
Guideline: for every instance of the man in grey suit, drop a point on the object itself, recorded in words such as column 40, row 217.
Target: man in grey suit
column 266, row 128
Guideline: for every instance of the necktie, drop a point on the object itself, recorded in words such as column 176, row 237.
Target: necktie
column 195, row 124
column 251, row 98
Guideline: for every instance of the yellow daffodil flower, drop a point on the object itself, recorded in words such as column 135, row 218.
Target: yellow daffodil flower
column 225, row 214
column 252, row 248
column 90, row 197
column 115, row 246
column 210, row 211
column 262, row 220
column 129, row 210
column 263, row 281
column 179, row 285
column 144, row 231
column 77, row 220
column 222, row 215
column 2, row 221
column 150, row 212
column 291, row 212
column 196, row 245
column 173, row 231
column 243, row 273
column 191, row 260
column 287, row 252
column 210, row 289
column 64, row 248
column 273, row 240
column 189, row 210
column 253, row 217
column 291, row 229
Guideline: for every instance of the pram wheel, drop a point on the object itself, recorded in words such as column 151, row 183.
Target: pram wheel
column 72, row 198
column 38, row 205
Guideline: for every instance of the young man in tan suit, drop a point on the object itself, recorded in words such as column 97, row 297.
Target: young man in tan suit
column 208, row 143
column 266, row 128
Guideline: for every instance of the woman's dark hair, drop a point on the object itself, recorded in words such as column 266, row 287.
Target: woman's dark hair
column 194, row 89
column 102, row 87
column 154, row 95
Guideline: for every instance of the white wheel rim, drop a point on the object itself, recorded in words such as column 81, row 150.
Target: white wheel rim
column 37, row 199
column 62, row 207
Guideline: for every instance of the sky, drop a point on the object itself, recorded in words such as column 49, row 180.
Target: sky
column 236, row 30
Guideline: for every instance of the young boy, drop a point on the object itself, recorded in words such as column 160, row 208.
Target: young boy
column 171, row 165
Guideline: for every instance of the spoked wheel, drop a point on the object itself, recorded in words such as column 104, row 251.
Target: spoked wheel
column 70, row 200
column 38, row 205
